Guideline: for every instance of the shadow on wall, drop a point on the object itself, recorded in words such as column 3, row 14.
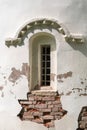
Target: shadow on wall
column 80, row 47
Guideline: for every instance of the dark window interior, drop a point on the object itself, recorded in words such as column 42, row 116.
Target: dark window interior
column 45, row 65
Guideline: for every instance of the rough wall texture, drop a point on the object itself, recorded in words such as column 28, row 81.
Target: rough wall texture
column 16, row 74
column 42, row 107
column 71, row 58
column 82, row 119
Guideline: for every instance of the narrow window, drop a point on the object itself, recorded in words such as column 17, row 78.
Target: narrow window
column 45, row 65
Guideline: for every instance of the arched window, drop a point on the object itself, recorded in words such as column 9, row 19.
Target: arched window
column 43, row 60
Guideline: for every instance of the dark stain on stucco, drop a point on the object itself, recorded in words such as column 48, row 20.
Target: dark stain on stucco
column 61, row 94
column 2, row 95
column 68, row 93
column 1, row 88
column 16, row 74
column 78, row 89
column 65, row 75
column 82, row 82
column 83, row 94
column 60, row 81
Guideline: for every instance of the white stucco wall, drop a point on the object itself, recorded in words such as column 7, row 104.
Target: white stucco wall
column 14, row 14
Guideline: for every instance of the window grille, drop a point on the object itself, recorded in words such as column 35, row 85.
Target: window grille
column 45, row 65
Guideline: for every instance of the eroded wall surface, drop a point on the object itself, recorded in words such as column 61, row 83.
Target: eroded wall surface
column 14, row 62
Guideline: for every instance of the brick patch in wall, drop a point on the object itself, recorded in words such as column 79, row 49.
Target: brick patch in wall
column 82, row 119
column 42, row 107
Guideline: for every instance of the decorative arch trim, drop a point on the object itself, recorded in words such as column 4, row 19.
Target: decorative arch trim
column 40, row 24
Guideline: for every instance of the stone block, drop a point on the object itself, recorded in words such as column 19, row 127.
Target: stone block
column 55, row 109
column 59, row 113
column 48, row 117
column 30, row 106
column 56, row 102
column 37, row 113
column 50, row 106
column 38, row 98
column 84, row 114
column 56, row 113
column 28, row 117
column 84, row 118
column 46, row 110
column 49, row 102
column 42, row 106
column 48, row 98
column 31, row 98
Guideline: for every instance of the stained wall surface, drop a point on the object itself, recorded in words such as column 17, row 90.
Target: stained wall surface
column 14, row 61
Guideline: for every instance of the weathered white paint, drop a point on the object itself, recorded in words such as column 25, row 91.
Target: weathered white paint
column 71, row 57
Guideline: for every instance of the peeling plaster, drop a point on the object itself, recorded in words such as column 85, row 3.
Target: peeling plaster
column 16, row 74
column 1, row 88
column 65, row 75
column 68, row 93
column 60, row 81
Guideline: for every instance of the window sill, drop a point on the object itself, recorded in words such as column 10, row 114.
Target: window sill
column 45, row 91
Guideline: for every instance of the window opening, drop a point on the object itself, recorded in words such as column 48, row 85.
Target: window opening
column 45, row 65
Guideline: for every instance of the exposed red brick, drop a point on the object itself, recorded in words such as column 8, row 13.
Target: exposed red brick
column 41, row 106
column 44, row 108
column 84, row 114
column 48, row 98
column 50, row 106
column 55, row 109
column 48, row 117
column 37, row 113
column 28, row 117
column 82, row 119
column 38, row 98
column 34, row 102
column 31, row 98
column 49, row 102
column 25, row 102
column 30, row 106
